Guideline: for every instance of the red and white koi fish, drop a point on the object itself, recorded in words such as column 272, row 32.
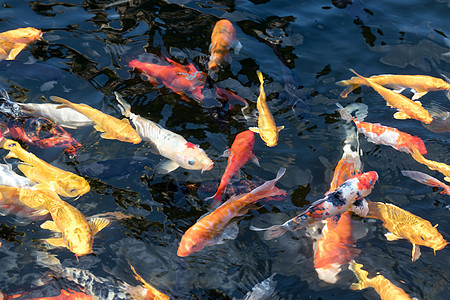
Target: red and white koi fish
column 212, row 228
column 239, row 153
column 174, row 147
column 223, row 38
column 334, row 203
column 384, row 135
column 427, row 179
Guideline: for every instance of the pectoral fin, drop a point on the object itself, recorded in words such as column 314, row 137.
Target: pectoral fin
column 230, row 232
column 56, row 242
column 25, row 169
column 418, row 94
column 391, row 237
column 279, row 128
column 254, row 129
column 107, row 136
column 10, row 155
column 98, row 224
column 125, row 120
column 50, row 225
column 447, row 179
column 415, row 252
column 98, row 128
column 166, row 166
column 401, row 116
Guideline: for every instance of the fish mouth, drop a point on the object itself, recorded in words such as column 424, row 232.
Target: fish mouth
column 440, row 246
column 208, row 167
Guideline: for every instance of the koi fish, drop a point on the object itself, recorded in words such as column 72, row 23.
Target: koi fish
column 65, row 294
column 407, row 108
column 432, row 165
column 65, row 117
column 427, row 179
column 111, row 127
column 14, row 41
column 146, row 291
column 334, row 203
column 212, row 228
column 62, row 182
column 420, row 84
column 223, row 38
column 25, row 202
column 174, row 147
column 240, row 152
column 386, row 289
column 267, row 128
column 384, row 135
column 180, row 79
column 405, row 225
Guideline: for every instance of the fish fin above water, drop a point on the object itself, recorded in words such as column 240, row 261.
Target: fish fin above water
column 56, row 242
column 415, row 252
column 401, row 116
column 254, row 129
column 50, row 225
column 97, row 224
column 166, row 166
column 107, row 136
column 98, row 128
column 391, row 237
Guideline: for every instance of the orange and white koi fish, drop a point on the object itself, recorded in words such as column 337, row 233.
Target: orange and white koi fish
column 420, row 84
column 405, row 225
column 215, row 226
column 384, row 135
column 240, row 152
column 334, row 203
column 111, row 127
column 62, row 182
column 223, row 38
column 14, row 41
column 267, row 128
column 386, row 289
column 183, row 80
column 407, row 108
column 428, row 180
column 174, row 147
column 432, row 165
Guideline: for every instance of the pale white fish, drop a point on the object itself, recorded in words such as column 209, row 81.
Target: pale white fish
column 9, row 178
column 65, row 116
column 174, row 147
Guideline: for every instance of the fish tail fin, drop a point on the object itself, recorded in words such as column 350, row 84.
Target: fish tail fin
column 217, row 198
column 268, row 189
column 60, row 100
column 345, row 115
column 260, row 77
column 374, row 210
column 271, row 232
column 362, row 77
column 125, row 108
column 348, row 90
column 422, row 178
column 360, row 274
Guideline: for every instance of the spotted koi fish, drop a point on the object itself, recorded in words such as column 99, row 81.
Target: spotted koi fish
column 334, row 203
column 427, row 179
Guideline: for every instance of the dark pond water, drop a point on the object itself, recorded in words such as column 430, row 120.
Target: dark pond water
column 302, row 48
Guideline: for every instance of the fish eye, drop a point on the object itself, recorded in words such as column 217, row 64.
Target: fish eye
column 423, row 239
column 370, row 182
column 193, row 246
column 191, row 162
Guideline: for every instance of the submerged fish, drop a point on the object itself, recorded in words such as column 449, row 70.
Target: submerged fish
column 111, row 127
column 334, row 203
column 432, row 165
column 212, row 228
column 223, row 38
column 267, row 128
column 263, row 291
column 386, row 289
column 240, row 152
column 405, row 225
column 174, row 147
column 64, row 294
column 427, row 179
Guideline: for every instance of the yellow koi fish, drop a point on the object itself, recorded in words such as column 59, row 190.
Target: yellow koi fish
column 421, row 84
column 405, row 225
column 386, row 289
column 111, row 127
column 432, row 165
column 407, row 108
column 267, row 128
column 62, row 182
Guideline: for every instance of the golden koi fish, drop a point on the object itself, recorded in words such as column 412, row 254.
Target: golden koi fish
column 432, row 165
column 421, row 84
column 111, row 127
column 267, row 128
column 20, row 200
column 405, row 225
column 407, row 108
column 62, row 182
column 386, row 289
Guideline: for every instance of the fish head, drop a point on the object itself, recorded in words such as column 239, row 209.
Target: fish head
column 79, row 239
column 73, row 186
column 270, row 137
column 194, row 158
column 192, row 241
column 429, row 236
column 130, row 136
column 26, row 35
column 366, row 181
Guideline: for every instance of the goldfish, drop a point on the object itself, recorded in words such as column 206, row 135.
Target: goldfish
column 240, row 152
column 427, row 179
column 111, row 127
column 384, row 135
column 12, row 42
column 420, row 84
column 180, row 79
column 223, row 38
column 334, row 203
column 174, row 147
column 432, row 165
column 62, row 182
column 386, row 289
column 407, row 108
column 214, row 227
column 267, row 128
column 405, row 225
column 65, row 116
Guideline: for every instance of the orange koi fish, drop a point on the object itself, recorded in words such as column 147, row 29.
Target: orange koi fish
column 427, row 179
column 267, row 128
column 223, row 38
column 14, row 41
column 213, row 227
column 384, row 135
column 386, row 289
column 240, row 152
column 407, row 108
column 183, row 80
column 432, row 165
column 405, row 225
column 111, row 127
column 420, row 84
column 64, row 295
